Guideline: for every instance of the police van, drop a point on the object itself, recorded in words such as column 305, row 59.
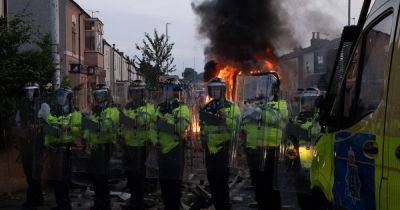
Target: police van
column 356, row 160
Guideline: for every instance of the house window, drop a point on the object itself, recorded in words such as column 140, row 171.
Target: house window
column 74, row 35
column 320, row 59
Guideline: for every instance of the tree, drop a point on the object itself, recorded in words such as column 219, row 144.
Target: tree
column 189, row 74
column 18, row 67
column 155, row 57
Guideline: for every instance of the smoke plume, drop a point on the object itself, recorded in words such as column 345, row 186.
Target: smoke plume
column 239, row 30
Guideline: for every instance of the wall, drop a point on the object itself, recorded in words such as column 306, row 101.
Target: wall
column 2, row 8
column 108, row 64
column 73, row 14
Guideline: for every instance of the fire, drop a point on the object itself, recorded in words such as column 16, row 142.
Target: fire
column 195, row 125
column 263, row 62
column 227, row 74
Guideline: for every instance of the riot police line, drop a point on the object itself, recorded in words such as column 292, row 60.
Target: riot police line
column 153, row 132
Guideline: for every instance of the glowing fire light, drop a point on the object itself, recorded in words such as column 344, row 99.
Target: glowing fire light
column 266, row 62
column 227, row 74
column 195, row 125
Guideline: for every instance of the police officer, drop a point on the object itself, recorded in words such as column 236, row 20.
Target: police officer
column 100, row 132
column 172, row 124
column 263, row 127
column 137, row 123
column 61, row 129
column 29, row 119
column 219, row 120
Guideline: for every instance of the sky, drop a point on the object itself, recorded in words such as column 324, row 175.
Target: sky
column 126, row 21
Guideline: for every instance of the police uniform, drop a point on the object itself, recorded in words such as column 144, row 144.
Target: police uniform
column 138, row 131
column 62, row 128
column 101, row 130
column 218, row 121
column 172, row 124
column 30, row 120
column 263, row 134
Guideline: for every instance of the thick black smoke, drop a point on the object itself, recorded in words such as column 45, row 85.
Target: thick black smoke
column 239, row 30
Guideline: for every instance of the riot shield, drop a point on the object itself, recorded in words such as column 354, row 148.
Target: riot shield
column 137, row 129
column 219, row 137
column 261, row 123
column 233, row 123
column 152, row 147
column 295, row 157
column 262, row 134
column 172, row 127
column 194, row 154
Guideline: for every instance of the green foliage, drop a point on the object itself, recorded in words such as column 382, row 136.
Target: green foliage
column 189, row 74
column 18, row 66
column 155, row 58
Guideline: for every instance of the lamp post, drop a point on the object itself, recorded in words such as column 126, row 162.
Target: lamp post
column 349, row 12
column 166, row 29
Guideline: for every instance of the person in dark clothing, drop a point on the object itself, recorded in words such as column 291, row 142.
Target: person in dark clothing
column 29, row 119
column 61, row 129
column 172, row 124
column 137, row 122
column 219, row 120
column 101, row 130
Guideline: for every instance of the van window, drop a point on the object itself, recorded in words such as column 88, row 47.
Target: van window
column 375, row 61
column 350, row 82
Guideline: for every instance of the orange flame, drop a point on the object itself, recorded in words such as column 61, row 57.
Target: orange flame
column 267, row 62
column 227, row 74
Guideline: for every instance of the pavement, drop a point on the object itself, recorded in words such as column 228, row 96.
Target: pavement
column 195, row 189
column 241, row 197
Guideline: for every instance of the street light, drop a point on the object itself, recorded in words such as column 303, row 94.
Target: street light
column 166, row 29
column 349, row 13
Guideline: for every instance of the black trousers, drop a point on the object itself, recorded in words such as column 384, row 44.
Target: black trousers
column 101, row 157
column 171, row 193
column 218, row 177
column 61, row 192
column 171, row 167
column 135, row 158
column 34, row 193
column 31, row 162
column 59, row 175
column 262, row 178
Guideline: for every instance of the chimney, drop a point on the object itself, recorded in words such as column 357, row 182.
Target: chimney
column 313, row 35
column 317, row 35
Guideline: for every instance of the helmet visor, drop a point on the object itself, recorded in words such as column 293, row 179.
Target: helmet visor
column 100, row 96
column 62, row 97
column 216, row 92
column 136, row 93
column 168, row 91
column 259, row 87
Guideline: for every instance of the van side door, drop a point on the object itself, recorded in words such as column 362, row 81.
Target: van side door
column 359, row 145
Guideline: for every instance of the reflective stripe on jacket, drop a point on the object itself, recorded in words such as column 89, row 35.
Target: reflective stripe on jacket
column 178, row 121
column 108, row 127
column 216, row 135
column 55, row 135
column 267, row 131
column 144, row 117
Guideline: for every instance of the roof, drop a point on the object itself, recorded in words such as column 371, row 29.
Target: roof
column 327, row 44
column 79, row 7
column 95, row 19
column 105, row 42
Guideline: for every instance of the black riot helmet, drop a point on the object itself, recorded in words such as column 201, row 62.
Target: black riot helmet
column 216, row 88
column 31, row 91
column 136, row 90
column 171, row 88
column 64, row 96
column 101, row 94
